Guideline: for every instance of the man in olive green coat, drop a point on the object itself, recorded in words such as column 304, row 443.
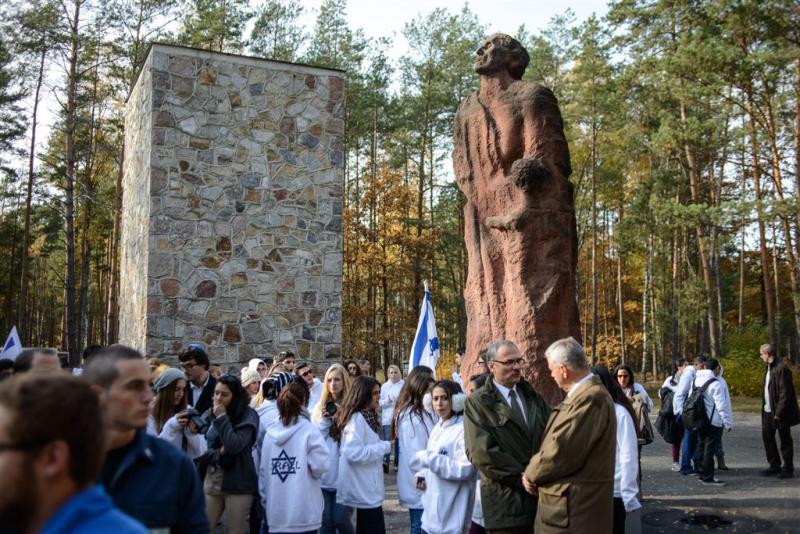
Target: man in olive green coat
column 504, row 423
column 573, row 472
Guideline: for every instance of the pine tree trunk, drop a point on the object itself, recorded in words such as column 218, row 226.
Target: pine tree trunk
column 694, row 182
column 69, row 181
column 22, row 323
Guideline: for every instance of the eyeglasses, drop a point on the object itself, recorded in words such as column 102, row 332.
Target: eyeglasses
column 510, row 363
column 188, row 366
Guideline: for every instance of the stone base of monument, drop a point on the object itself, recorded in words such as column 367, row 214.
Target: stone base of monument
column 232, row 207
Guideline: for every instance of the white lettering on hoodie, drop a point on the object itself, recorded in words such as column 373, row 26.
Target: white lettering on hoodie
column 293, row 460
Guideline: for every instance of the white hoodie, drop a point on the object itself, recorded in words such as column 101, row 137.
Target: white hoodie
column 331, row 477
column 717, row 400
column 360, row 483
column 389, row 394
column 413, row 432
column 626, row 463
column 684, row 389
column 293, row 460
column 267, row 414
column 449, row 478
column 173, row 433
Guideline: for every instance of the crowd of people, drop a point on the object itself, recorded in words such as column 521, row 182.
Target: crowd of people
column 134, row 445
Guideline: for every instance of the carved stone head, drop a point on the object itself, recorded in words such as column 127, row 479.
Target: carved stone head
column 501, row 51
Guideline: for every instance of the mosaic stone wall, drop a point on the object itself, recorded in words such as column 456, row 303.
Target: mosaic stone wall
column 232, row 207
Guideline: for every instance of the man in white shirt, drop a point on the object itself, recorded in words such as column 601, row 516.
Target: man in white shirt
column 682, row 392
column 456, row 371
column 720, row 417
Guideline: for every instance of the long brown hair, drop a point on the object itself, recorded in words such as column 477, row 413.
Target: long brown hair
column 418, row 382
column 358, row 398
column 347, row 363
column 291, row 401
column 164, row 405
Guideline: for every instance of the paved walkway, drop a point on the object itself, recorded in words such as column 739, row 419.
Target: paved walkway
column 749, row 503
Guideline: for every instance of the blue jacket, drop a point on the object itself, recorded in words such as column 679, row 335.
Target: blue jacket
column 158, row 485
column 91, row 512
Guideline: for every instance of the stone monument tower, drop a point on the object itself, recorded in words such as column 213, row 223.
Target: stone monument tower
column 232, row 207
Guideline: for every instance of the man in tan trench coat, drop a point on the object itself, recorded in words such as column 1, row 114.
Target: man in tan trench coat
column 573, row 472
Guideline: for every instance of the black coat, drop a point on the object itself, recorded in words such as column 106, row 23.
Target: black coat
column 782, row 397
column 206, row 399
column 238, row 468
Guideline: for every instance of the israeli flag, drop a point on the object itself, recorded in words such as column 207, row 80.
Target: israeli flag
column 13, row 346
column 425, row 350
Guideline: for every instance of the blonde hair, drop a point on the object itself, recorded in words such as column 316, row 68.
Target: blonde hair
column 393, row 366
column 327, row 396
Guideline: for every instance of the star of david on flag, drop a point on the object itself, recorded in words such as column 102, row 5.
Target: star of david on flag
column 425, row 350
column 13, row 346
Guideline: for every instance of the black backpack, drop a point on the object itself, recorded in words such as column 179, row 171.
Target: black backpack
column 665, row 422
column 694, row 415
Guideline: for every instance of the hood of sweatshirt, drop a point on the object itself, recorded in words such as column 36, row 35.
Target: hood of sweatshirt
column 280, row 434
column 703, row 376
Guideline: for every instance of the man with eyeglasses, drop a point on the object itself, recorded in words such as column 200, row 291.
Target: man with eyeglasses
column 194, row 362
column 51, row 450
column 504, row 422
column 304, row 371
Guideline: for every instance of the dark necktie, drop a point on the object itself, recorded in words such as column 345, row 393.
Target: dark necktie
column 515, row 408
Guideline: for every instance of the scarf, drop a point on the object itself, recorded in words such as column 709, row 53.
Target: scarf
column 371, row 416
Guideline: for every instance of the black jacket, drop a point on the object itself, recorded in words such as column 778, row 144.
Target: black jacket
column 238, row 468
column 206, row 399
column 157, row 485
column 782, row 398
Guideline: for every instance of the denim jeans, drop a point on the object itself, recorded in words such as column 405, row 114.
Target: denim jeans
column 688, row 450
column 343, row 519
column 328, row 524
column 415, row 516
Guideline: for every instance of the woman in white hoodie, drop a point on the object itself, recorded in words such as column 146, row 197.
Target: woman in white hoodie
column 294, row 458
column 360, row 486
column 411, row 427
column 445, row 474
column 336, row 384
column 390, row 392
column 627, row 517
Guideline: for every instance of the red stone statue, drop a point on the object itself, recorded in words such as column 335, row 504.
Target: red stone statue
column 511, row 160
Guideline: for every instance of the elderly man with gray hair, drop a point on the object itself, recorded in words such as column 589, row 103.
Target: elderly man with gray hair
column 573, row 472
column 503, row 426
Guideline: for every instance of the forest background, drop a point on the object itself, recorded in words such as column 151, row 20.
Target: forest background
column 683, row 119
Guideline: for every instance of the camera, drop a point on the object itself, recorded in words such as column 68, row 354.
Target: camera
column 195, row 417
column 330, row 407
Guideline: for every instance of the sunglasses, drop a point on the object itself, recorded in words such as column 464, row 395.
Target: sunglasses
column 306, row 373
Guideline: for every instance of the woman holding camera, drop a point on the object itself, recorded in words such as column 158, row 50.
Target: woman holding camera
column 230, row 481
column 445, row 474
column 336, row 384
column 294, row 458
column 169, row 418
column 360, row 483
column 411, row 426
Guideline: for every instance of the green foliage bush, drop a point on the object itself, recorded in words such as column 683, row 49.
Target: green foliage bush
column 744, row 370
